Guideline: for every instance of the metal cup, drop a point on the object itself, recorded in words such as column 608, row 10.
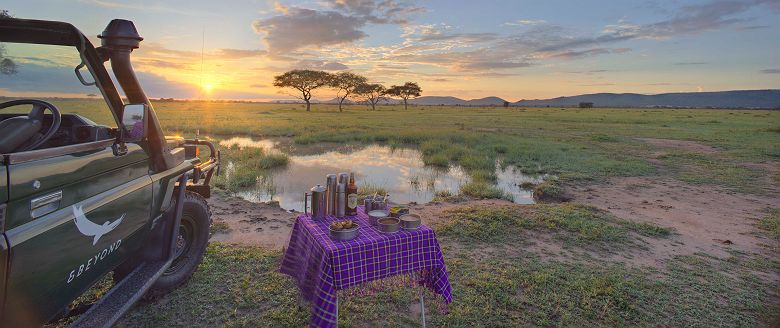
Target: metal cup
column 368, row 202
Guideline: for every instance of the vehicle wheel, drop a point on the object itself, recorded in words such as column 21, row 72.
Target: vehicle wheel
column 190, row 246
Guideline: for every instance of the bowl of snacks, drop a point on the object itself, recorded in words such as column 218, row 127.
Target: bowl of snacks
column 399, row 210
column 343, row 230
column 388, row 224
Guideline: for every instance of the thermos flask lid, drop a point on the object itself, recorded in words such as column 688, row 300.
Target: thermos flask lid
column 318, row 188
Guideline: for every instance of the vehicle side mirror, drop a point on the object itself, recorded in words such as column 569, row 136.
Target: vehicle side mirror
column 134, row 118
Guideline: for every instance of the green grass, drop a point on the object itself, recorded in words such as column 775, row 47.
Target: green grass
column 219, row 227
column 447, row 196
column 573, row 223
column 239, row 286
column 550, row 191
column 243, row 167
column 703, row 169
column 771, row 223
column 480, row 189
column 578, row 145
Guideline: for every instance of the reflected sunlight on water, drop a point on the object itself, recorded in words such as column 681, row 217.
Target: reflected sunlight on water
column 399, row 171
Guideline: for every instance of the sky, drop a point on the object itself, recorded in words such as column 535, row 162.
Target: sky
column 469, row 49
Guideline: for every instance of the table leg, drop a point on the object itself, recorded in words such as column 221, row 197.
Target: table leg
column 422, row 306
column 422, row 297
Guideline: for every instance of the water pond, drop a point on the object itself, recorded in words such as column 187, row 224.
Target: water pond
column 400, row 171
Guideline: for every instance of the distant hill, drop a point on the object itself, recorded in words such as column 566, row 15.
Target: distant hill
column 334, row 101
column 454, row 101
column 721, row 99
column 487, row 101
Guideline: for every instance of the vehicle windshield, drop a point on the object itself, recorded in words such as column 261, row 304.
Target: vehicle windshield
column 46, row 72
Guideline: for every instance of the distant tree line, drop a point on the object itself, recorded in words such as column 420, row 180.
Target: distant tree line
column 347, row 85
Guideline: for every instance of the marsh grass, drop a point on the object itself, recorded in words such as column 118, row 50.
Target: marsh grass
column 447, row 196
column 244, row 166
column 368, row 189
column 550, row 191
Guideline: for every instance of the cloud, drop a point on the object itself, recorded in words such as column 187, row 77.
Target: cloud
column 690, row 63
column 442, row 32
column 491, row 65
column 572, row 54
column 753, row 27
column 228, row 53
column 770, row 71
column 597, row 85
column 689, row 20
column 301, row 28
column 378, row 12
column 280, row 8
column 660, row 84
column 157, row 63
column 320, row 65
column 526, row 22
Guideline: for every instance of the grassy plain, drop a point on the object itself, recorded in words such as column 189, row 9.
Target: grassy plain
column 500, row 278
column 578, row 145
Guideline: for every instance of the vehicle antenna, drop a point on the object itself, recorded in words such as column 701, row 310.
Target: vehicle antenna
column 202, row 48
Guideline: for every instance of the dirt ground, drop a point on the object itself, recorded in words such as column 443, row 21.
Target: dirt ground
column 705, row 219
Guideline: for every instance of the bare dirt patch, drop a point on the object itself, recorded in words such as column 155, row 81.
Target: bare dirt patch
column 706, row 219
column 686, row 145
column 252, row 224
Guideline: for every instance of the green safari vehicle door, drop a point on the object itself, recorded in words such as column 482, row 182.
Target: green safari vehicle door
column 76, row 207
column 71, row 219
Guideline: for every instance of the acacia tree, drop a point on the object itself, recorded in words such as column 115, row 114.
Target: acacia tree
column 372, row 93
column 409, row 90
column 303, row 80
column 345, row 83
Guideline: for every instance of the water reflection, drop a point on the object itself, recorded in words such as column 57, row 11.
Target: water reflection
column 399, row 171
column 243, row 142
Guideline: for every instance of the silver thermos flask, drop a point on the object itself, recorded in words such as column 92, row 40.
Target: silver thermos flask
column 318, row 202
column 331, row 183
column 343, row 179
column 341, row 198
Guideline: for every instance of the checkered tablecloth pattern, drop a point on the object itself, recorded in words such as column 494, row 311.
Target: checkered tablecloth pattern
column 322, row 266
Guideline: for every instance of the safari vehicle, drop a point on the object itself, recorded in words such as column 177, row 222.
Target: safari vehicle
column 80, row 200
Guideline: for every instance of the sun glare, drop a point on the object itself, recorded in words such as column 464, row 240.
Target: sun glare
column 208, row 87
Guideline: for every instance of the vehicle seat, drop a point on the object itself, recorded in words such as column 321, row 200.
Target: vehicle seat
column 16, row 132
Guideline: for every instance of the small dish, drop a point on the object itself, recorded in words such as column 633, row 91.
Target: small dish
column 410, row 221
column 375, row 215
column 388, row 224
column 399, row 210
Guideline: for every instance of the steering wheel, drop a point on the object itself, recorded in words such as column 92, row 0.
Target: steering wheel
column 23, row 133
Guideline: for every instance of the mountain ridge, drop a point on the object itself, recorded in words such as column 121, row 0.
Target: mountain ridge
column 766, row 98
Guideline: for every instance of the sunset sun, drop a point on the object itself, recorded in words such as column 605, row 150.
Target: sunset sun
column 207, row 87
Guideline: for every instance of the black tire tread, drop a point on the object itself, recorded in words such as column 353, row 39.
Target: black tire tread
column 163, row 286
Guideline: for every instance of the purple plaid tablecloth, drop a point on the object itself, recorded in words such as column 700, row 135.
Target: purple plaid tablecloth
column 322, row 266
